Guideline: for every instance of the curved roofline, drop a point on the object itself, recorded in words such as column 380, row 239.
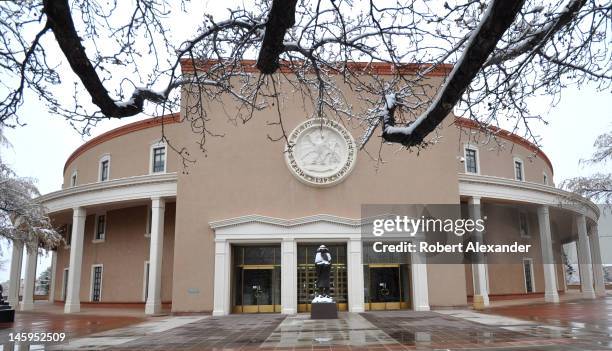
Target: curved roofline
column 471, row 124
column 123, row 130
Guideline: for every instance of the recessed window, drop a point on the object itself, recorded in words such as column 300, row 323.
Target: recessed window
column 519, row 171
column 471, row 160
column 65, row 284
column 145, row 282
column 523, row 224
column 73, row 179
column 148, row 224
column 67, row 229
column 158, row 158
column 96, row 283
column 545, row 180
column 100, row 233
column 104, row 168
column 528, row 274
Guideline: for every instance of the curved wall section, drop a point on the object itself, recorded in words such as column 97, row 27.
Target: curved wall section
column 128, row 148
column 496, row 156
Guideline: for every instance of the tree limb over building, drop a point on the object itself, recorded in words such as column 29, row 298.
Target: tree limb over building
column 504, row 53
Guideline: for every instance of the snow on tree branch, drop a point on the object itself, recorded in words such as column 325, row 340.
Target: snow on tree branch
column 21, row 217
column 319, row 50
column 596, row 187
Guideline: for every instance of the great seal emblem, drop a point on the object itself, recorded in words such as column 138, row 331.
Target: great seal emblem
column 320, row 152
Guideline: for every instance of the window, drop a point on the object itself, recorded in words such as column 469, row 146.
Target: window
column 145, row 282
column 104, row 168
column 518, row 169
column 158, row 158
column 545, row 179
column 65, row 284
column 96, row 283
column 528, row 273
column 523, row 224
column 471, row 160
column 100, row 232
column 67, row 234
column 148, row 224
column 73, row 179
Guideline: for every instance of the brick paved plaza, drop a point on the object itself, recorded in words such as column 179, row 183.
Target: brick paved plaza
column 572, row 325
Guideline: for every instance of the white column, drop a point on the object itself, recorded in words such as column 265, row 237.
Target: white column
column 52, row 276
column 479, row 269
column 550, row 274
column 221, row 287
column 15, row 277
column 288, row 276
column 584, row 258
column 355, row 276
column 420, row 289
column 598, row 275
column 73, row 289
column 27, row 302
column 153, row 304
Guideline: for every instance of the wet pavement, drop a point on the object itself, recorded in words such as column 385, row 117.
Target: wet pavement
column 580, row 325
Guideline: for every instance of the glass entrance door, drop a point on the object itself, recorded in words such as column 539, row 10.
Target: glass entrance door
column 256, row 280
column 257, row 290
column 387, row 286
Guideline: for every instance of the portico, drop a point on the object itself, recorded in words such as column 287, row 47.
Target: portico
column 153, row 191
column 261, row 230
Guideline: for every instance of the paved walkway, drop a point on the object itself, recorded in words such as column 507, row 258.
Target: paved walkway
column 579, row 325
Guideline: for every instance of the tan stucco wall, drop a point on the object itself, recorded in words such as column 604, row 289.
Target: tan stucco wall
column 130, row 156
column 123, row 254
column 498, row 161
column 505, row 278
column 245, row 173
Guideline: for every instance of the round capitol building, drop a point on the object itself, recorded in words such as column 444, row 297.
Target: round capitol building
column 238, row 230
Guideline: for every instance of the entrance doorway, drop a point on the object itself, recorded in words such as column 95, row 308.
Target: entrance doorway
column 386, row 286
column 256, row 282
column 306, row 275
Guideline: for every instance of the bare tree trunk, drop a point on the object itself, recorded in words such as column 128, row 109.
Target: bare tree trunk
column 280, row 19
column 60, row 21
column 497, row 19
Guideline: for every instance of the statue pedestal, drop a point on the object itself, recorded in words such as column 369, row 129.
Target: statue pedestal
column 324, row 310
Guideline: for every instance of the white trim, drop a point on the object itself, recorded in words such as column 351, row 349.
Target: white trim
column 95, row 233
column 153, row 146
column 91, row 281
column 117, row 190
column 64, row 283
column 145, row 285
column 285, row 222
column 533, row 286
column 516, row 159
column 74, row 178
column 105, row 157
column 467, row 146
column 489, row 187
column 527, row 233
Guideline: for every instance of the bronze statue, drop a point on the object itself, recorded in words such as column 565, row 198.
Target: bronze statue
column 323, row 263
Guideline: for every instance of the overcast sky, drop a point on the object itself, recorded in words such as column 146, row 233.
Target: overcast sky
column 41, row 147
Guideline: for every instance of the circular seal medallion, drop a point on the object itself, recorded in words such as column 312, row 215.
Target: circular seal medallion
column 322, row 152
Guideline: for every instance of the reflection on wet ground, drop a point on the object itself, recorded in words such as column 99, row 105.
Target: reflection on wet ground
column 581, row 325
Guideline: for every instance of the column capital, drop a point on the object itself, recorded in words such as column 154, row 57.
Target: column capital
column 79, row 212
column 158, row 202
column 474, row 200
column 544, row 209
